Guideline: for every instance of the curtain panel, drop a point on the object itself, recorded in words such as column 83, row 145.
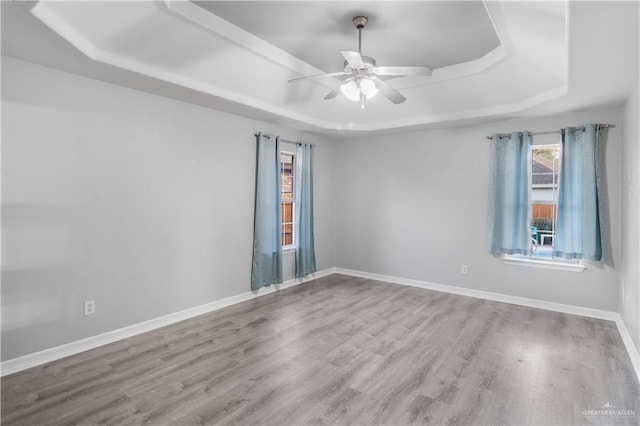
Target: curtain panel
column 267, row 238
column 510, row 196
column 579, row 233
column 305, row 250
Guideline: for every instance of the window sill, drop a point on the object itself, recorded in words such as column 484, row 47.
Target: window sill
column 559, row 265
column 289, row 249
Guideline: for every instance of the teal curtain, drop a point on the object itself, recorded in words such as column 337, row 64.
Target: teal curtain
column 510, row 196
column 579, row 230
column 305, row 251
column 267, row 238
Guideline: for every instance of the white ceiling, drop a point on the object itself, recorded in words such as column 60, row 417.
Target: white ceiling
column 491, row 59
column 436, row 33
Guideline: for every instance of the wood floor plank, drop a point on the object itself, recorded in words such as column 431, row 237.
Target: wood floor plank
column 343, row 350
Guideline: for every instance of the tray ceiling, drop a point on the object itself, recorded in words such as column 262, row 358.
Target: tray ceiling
column 435, row 33
column 490, row 59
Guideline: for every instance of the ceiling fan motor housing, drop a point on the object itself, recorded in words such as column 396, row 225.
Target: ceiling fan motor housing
column 369, row 65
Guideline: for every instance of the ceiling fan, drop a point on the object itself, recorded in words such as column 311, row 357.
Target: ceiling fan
column 361, row 76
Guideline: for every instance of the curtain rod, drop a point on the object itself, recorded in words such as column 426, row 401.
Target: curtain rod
column 285, row 140
column 550, row 132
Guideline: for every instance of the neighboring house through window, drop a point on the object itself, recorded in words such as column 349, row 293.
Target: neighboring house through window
column 287, row 176
column 544, row 197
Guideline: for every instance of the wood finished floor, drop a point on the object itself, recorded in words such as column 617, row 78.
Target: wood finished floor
column 342, row 350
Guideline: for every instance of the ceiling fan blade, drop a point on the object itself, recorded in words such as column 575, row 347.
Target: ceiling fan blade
column 311, row 77
column 392, row 94
column 421, row 71
column 332, row 94
column 353, row 58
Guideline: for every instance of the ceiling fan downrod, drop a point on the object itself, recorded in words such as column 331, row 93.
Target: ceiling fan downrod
column 360, row 22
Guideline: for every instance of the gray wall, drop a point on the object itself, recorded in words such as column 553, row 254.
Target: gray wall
column 145, row 204
column 630, row 265
column 142, row 203
column 414, row 205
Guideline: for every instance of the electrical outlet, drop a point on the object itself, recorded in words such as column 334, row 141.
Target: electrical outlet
column 464, row 269
column 89, row 307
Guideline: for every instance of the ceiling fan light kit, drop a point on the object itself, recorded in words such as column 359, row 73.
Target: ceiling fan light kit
column 352, row 88
column 361, row 77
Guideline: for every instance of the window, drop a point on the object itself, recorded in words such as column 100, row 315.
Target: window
column 545, row 169
column 561, row 195
column 546, row 158
column 287, row 177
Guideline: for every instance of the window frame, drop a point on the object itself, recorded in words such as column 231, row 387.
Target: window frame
column 294, row 240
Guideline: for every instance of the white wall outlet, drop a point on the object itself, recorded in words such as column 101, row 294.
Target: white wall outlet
column 89, row 307
column 464, row 269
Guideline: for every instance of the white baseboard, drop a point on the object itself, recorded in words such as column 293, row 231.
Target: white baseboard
column 515, row 300
column 628, row 343
column 487, row 295
column 32, row 360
